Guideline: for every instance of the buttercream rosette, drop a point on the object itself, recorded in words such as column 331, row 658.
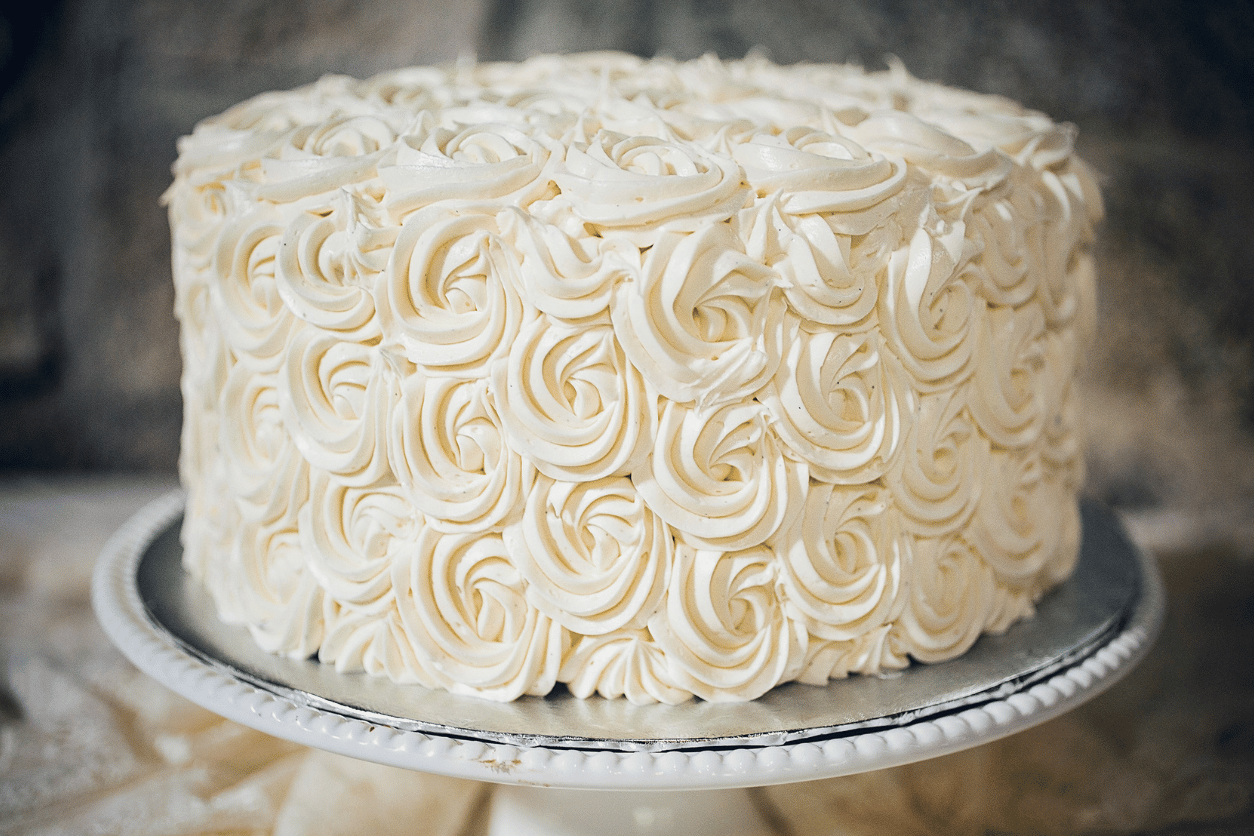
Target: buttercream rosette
column 464, row 608
column 633, row 186
column 621, row 664
column 450, row 295
column 595, row 558
column 448, row 451
column 840, row 403
column 250, row 312
column 725, row 630
column 721, row 479
column 571, row 402
column 652, row 378
column 326, row 263
column 703, row 322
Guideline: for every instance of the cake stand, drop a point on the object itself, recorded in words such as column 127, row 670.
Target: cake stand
column 548, row 752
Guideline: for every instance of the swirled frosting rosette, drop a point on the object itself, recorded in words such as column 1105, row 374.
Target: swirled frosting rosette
column 929, row 313
column 358, row 640
column 251, row 313
column 1010, row 392
column 1028, row 138
column 449, row 297
column 951, row 597
column 846, row 562
column 704, row 322
column 1004, row 266
column 840, row 403
column 336, row 398
column 621, row 664
column 1061, row 251
column 637, row 184
column 314, row 161
column 198, row 212
column 352, row 536
column 720, row 478
column 816, row 173
column 572, row 404
column 489, row 164
column 208, row 357
column 724, row 629
column 267, row 474
column 595, row 558
column 269, row 589
column 937, row 477
column 1016, row 526
column 449, row 453
column 569, row 278
column 324, row 270
column 828, row 276
column 652, row 378
column 465, row 609
column 870, row 653
column 933, row 149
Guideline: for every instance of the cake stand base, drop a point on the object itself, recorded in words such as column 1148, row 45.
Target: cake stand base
column 550, row 811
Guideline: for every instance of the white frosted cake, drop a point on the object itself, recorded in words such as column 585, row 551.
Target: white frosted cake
column 655, row 379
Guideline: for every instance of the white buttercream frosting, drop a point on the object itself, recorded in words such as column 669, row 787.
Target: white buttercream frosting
column 651, row 378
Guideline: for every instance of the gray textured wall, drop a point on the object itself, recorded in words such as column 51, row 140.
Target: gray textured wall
column 93, row 94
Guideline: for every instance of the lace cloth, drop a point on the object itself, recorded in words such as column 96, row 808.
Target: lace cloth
column 90, row 745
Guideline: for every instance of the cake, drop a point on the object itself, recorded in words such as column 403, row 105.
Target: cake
column 647, row 378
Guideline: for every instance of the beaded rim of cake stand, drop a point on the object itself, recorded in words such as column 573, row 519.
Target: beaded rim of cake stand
column 121, row 612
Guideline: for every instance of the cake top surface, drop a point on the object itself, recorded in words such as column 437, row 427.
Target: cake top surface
column 835, row 126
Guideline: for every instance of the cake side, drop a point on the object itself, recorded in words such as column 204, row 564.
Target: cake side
column 651, row 378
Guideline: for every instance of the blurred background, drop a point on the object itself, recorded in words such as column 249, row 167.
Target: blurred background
column 94, row 94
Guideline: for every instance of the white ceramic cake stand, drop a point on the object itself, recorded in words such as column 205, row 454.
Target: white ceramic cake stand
column 549, row 752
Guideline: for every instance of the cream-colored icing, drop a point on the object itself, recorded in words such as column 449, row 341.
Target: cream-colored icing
column 448, row 452
column 571, row 403
column 596, row 559
column 724, row 628
column 651, row 378
column 702, row 321
column 719, row 477
column 846, row 564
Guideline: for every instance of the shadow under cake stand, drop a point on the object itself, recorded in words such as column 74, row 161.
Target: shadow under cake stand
column 548, row 752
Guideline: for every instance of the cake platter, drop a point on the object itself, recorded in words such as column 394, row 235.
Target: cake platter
column 1086, row 635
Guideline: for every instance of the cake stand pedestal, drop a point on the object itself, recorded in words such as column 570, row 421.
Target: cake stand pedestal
column 552, row 811
column 549, row 752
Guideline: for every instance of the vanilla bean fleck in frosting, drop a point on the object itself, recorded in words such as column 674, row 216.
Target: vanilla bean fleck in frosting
column 654, row 379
